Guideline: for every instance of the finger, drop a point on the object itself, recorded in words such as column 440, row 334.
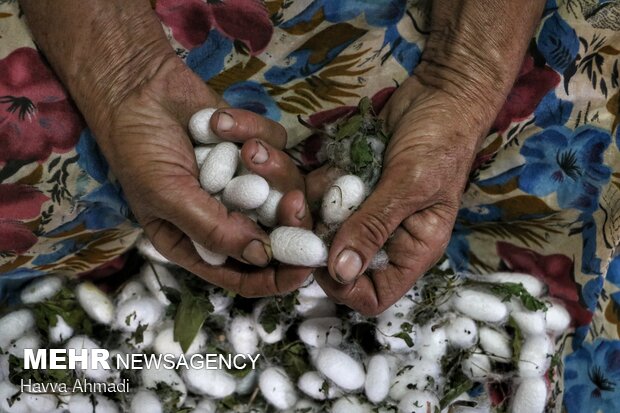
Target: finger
column 208, row 222
column 293, row 210
column 272, row 164
column 319, row 180
column 240, row 125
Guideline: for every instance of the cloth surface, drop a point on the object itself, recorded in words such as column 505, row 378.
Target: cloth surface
column 543, row 197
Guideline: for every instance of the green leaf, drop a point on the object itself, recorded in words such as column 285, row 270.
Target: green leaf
column 509, row 290
column 406, row 337
column 458, row 386
column 517, row 341
column 349, row 127
column 365, row 106
column 190, row 316
column 362, row 154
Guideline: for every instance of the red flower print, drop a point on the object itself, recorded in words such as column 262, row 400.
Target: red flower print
column 244, row 20
column 36, row 115
column 532, row 84
column 18, row 202
column 555, row 270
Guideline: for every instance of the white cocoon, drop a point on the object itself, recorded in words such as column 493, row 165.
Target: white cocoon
column 495, row 344
column 480, row 306
column 277, row 388
column 378, row 378
column 532, row 284
column 131, row 289
column 340, row 368
column 164, row 343
column 83, row 344
column 557, row 318
column 201, row 153
column 477, row 366
column 531, row 323
column 273, row 337
column 219, row 167
column 209, row 382
column 535, row 356
column 7, row 391
column 147, row 249
column 530, row 397
column 199, row 127
column 30, row 340
column 210, row 257
column 145, row 311
column 462, row 332
column 152, row 375
column 344, row 196
column 416, row 401
column 315, row 307
column 268, row 211
column 95, row 302
column 242, row 335
column 14, row 325
column 246, row 192
column 40, row 403
column 312, row 384
column 146, row 401
column 432, row 342
column 350, row 404
column 155, row 277
column 416, row 375
column 205, row 406
column 82, row 403
column 320, row 332
column 388, row 326
column 298, row 246
column 41, row 289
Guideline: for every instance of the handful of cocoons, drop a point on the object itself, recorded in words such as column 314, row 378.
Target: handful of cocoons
column 313, row 357
column 354, row 145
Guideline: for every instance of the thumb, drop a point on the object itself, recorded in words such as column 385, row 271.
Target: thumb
column 361, row 236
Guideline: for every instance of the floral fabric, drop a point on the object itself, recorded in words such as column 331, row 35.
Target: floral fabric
column 544, row 193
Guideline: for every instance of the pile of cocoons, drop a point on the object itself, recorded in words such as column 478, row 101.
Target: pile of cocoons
column 441, row 348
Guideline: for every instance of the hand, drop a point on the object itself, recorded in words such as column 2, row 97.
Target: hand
column 148, row 149
column 437, row 119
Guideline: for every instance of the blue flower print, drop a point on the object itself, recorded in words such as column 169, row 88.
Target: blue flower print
column 208, row 59
column 592, row 378
column 252, row 96
column 558, row 43
column 569, row 163
column 90, row 158
column 552, row 111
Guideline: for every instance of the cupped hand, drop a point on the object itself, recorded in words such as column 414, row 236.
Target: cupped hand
column 148, row 148
column 413, row 207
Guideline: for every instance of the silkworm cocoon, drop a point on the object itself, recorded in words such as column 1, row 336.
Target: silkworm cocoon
column 319, row 332
column 139, row 343
column 210, row 257
column 41, row 289
column 246, row 192
column 5, row 369
column 146, row 401
column 209, row 382
column 155, row 277
column 267, row 212
column 220, row 300
column 495, row 344
column 530, row 397
column 152, row 375
column 145, row 311
column 315, row 386
column 7, row 391
column 305, row 406
column 401, row 308
column 131, row 289
column 531, row 323
column 201, row 153
column 462, row 332
column 557, row 318
column 242, row 335
column 95, row 403
column 199, row 127
column 247, row 383
column 205, row 406
column 418, row 374
column 477, row 366
column 165, row 344
column 480, row 306
column 148, row 251
column 277, row 388
column 432, row 342
column 416, row 401
column 298, row 246
column 95, row 302
column 346, row 372
column 219, row 167
column 14, row 325
column 83, row 344
column 40, row 403
column 350, row 404
column 273, row 337
column 535, row 356
column 312, row 290
column 28, row 341
column 344, row 196
column 389, row 326
column 531, row 284
column 378, row 378
column 315, row 307
column 380, row 261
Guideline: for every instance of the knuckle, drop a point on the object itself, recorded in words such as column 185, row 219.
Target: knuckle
column 375, row 229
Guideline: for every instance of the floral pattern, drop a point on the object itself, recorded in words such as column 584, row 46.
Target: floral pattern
column 544, row 192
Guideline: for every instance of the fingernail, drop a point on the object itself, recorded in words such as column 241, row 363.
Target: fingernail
column 261, row 155
column 225, row 122
column 348, row 266
column 257, row 253
column 301, row 213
